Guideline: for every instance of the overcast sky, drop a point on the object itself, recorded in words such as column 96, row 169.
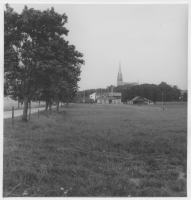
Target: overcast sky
column 150, row 41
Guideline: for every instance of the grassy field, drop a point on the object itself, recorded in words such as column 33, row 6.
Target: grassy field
column 98, row 150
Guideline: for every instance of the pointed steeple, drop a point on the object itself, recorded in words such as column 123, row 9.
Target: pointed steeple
column 119, row 78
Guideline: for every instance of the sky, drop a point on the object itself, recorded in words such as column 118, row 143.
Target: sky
column 150, row 41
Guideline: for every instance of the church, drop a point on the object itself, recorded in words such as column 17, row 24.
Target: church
column 120, row 79
column 111, row 97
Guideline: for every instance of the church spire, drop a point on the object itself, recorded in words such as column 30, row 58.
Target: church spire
column 119, row 78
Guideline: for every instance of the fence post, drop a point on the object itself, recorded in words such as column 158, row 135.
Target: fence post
column 12, row 115
column 18, row 104
column 50, row 109
column 29, row 111
column 38, row 114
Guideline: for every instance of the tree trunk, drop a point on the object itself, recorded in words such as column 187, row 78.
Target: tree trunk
column 25, row 109
column 46, row 108
column 29, row 110
column 67, row 104
column 50, row 108
column 57, row 105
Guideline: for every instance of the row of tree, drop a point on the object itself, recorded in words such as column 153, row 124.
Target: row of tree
column 39, row 64
column 152, row 92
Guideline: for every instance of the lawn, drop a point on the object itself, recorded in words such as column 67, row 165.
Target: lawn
column 98, row 150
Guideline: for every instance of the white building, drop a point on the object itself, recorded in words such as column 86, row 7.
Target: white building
column 93, row 96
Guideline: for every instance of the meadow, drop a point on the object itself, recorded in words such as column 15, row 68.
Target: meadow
column 98, row 150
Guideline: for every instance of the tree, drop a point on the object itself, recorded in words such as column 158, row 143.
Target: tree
column 63, row 81
column 35, row 51
column 185, row 96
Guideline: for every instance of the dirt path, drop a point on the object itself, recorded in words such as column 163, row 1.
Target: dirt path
column 8, row 114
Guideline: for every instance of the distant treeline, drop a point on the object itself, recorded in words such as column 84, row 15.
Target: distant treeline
column 153, row 92
column 150, row 91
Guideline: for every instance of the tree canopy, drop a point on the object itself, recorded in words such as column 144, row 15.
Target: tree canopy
column 39, row 63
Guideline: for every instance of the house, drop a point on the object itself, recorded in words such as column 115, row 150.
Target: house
column 108, row 100
column 93, row 96
column 129, row 102
column 147, row 101
column 117, row 95
column 138, row 100
column 100, row 94
column 112, row 97
column 102, row 100
column 114, row 100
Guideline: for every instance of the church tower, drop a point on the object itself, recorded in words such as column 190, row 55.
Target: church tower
column 119, row 77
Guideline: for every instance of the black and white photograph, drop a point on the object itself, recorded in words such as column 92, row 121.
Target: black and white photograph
column 95, row 99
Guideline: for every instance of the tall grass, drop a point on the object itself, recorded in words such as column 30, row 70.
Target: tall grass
column 98, row 150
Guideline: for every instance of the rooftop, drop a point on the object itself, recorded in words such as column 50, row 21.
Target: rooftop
column 136, row 98
column 102, row 98
column 111, row 98
column 115, row 94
